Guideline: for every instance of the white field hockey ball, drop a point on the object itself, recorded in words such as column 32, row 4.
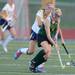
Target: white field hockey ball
column 68, row 63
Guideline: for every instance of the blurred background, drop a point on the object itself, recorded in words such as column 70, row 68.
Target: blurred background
column 26, row 10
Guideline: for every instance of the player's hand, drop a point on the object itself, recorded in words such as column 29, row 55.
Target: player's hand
column 63, row 42
column 55, row 39
column 57, row 47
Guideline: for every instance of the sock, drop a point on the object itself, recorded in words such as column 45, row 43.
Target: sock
column 7, row 40
column 4, row 47
column 38, row 59
column 24, row 50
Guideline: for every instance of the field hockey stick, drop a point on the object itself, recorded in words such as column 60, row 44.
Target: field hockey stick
column 66, row 50
column 62, row 65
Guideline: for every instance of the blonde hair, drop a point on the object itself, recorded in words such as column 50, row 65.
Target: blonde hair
column 58, row 11
column 45, row 2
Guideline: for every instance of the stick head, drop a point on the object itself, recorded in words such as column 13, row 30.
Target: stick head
column 63, row 67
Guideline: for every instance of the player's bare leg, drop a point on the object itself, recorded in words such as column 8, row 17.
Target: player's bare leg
column 27, row 51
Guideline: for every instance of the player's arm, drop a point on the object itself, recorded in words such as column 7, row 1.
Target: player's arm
column 0, row 13
column 38, row 18
column 3, row 14
column 15, row 15
column 58, row 29
column 61, row 35
column 47, row 29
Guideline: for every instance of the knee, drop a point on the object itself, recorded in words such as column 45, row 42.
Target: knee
column 13, row 32
column 47, row 53
column 29, row 53
column 31, row 50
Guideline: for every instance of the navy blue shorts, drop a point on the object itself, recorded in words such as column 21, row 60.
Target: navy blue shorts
column 41, row 39
column 33, row 36
column 3, row 23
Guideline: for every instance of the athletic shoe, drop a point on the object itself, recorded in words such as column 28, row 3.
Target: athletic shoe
column 33, row 69
column 41, row 69
column 17, row 54
column 5, row 48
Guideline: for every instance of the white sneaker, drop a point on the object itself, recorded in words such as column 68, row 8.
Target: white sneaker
column 5, row 48
column 17, row 54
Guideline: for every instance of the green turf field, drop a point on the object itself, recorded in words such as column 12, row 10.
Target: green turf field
column 8, row 66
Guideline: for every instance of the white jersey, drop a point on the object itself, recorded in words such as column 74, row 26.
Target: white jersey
column 35, row 26
column 10, row 11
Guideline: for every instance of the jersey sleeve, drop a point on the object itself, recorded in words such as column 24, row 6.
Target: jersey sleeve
column 5, row 7
column 39, row 13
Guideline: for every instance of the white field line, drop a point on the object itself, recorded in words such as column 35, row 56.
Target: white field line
column 21, row 73
column 53, row 54
column 28, row 59
column 28, row 56
column 24, row 65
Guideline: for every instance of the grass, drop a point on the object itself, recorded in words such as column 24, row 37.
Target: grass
column 9, row 66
